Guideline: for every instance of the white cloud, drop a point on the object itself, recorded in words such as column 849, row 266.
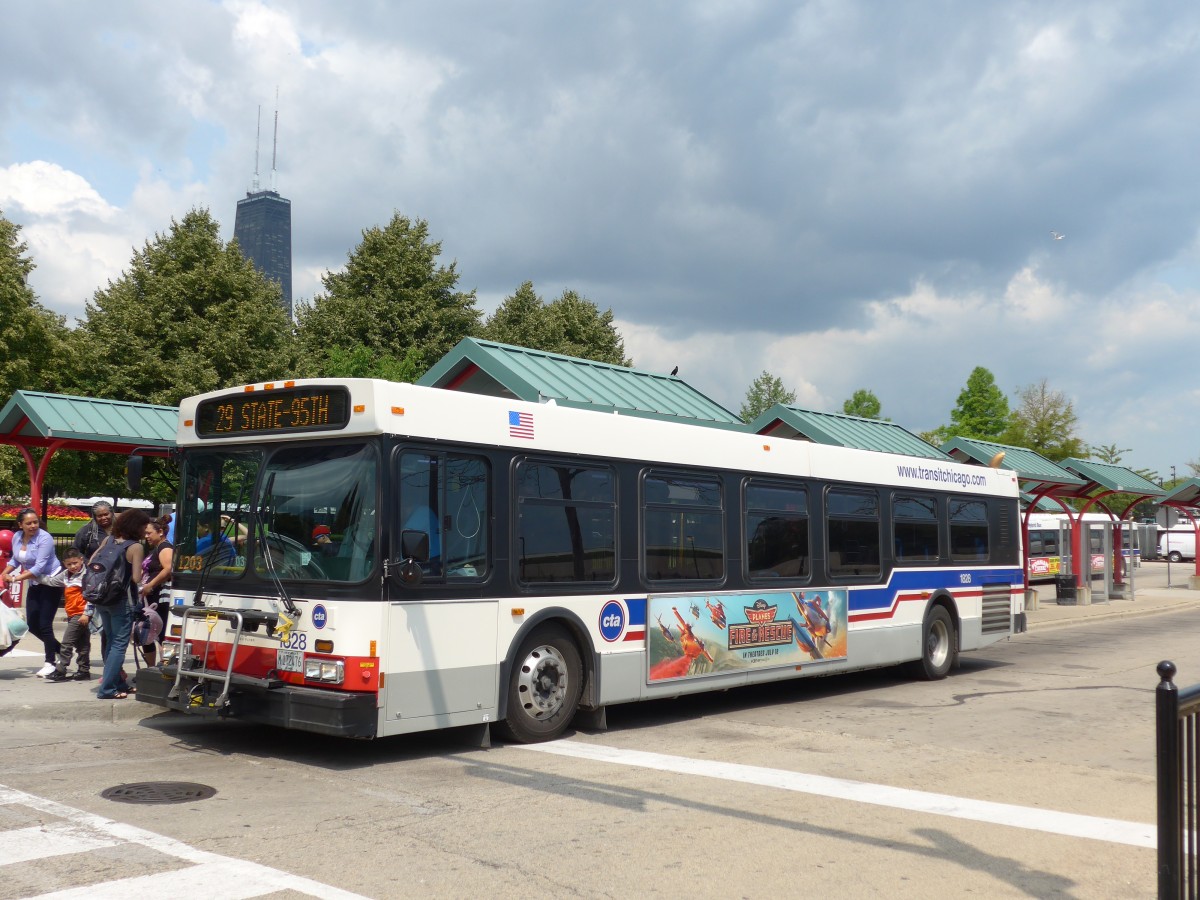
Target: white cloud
column 77, row 240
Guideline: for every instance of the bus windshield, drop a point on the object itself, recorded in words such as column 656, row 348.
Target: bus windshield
column 315, row 513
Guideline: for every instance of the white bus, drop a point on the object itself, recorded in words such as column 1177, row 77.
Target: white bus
column 364, row 558
column 1047, row 549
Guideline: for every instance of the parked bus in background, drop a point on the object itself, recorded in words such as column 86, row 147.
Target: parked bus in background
column 1049, row 544
column 364, row 558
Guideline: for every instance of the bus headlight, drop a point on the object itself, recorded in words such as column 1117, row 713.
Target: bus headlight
column 327, row 671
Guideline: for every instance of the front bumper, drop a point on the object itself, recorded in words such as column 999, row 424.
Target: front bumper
column 337, row 713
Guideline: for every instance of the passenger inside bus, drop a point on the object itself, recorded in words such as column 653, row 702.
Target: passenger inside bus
column 322, row 541
column 224, row 552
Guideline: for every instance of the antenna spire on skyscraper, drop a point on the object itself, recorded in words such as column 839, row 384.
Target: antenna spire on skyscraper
column 257, row 136
column 275, row 143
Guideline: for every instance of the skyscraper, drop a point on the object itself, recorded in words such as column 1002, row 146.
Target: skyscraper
column 263, row 230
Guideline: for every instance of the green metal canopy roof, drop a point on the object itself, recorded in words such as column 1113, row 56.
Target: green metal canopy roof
column 1112, row 477
column 502, row 370
column 1186, row 493
column 34, row 419
column 842, row 430
column 1030, row 466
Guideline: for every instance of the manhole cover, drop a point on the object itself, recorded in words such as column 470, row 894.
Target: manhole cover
column 158, row 792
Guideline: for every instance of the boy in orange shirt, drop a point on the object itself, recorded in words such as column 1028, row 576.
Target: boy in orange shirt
column 78, row 636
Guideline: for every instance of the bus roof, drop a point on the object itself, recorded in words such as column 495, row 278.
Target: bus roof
column 380, row 407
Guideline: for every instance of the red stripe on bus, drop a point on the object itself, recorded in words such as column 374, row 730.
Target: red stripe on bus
column 909, row 597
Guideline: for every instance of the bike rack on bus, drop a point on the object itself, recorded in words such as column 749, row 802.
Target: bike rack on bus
column 184, row 658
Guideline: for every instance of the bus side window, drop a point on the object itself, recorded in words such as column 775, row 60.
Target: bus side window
column 853, row 532
column 776, row 530
column 968, row 529
column 683, row 523
column 466, row 518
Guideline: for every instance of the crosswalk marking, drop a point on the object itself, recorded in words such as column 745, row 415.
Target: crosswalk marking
column 27, row 844
column 1117, row 831
column 211, row 873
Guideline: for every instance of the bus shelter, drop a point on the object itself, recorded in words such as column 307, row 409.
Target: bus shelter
column 1117, row 491
column 1092, row 484
column 1185, row 497
column 32, row 421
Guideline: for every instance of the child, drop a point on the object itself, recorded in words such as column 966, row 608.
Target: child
column 78, row 636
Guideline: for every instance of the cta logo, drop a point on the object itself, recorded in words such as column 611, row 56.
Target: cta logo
column 612, row 621
column 320, row 616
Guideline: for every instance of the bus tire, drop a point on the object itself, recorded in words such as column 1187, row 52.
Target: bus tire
column 544, row 687
column 939, row 645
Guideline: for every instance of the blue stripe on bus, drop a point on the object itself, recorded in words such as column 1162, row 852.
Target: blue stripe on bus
column 871, row 599
column 637, row 611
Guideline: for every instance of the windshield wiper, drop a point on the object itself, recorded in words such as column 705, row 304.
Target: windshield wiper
column 259, row 525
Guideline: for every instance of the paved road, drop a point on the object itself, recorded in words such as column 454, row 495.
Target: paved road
column 1029, row 772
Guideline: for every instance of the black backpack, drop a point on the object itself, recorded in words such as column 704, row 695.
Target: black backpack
column 106, row 576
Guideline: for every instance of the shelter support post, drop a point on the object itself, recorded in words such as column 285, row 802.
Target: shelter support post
column 37, row 473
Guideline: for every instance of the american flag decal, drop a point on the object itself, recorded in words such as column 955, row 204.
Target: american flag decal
column 520, row 424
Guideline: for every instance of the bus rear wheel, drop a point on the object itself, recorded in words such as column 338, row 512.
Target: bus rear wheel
column 939, row 645
column 544, row 687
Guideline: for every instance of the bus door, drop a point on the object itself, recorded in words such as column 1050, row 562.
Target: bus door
column 441, row 655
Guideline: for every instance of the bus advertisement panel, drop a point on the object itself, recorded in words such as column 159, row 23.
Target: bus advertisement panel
column 718, row 633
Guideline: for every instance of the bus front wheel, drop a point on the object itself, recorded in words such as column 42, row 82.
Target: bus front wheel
column 544, row 687
column 939, row 645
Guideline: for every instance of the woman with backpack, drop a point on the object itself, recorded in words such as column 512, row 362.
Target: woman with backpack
column 117, row 616
column 33, row 558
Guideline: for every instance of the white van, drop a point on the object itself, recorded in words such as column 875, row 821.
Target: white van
column 1177, row 545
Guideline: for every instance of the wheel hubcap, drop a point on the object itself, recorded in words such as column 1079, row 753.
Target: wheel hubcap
column 542, row 682
column 938, row 645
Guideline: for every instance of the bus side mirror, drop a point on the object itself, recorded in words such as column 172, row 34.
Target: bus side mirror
column 133, row 473
column 414, row 550
column 414, row 545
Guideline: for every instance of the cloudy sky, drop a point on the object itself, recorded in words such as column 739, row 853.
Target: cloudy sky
column 846, row 194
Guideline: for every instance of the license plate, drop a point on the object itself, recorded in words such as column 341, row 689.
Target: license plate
column 289, row 660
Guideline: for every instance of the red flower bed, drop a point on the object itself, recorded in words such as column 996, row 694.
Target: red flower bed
column 52, row 512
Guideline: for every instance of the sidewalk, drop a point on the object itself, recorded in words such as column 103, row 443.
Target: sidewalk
column 1151, row 595
column 26, row 698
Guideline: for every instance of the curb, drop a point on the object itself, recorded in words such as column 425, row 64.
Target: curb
column 112, row 711
column 1116, row 613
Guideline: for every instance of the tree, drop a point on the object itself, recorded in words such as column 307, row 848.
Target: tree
column 361, row 363
column 571, row 325
column 391, row 298
column 764, row 392
column 980, row 412
column 190, row 314
column 520, row 320
column 30, row 335
column 863, row 404
column 1109, row 453
column 31, row 343
column 1044, row 421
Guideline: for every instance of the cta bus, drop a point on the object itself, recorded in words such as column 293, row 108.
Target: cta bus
column 1049, row 545
column 364, row 558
